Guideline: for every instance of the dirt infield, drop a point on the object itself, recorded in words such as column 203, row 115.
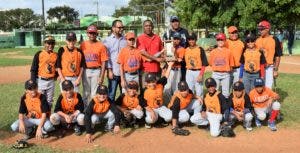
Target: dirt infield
column 289, row 64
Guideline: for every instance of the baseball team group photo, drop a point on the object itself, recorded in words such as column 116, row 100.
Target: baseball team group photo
column 141, row 76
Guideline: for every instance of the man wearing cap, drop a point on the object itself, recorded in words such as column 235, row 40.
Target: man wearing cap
column 264, row 101
column 114, row 43
column 33, row 112
column 43, row 69
column 101, row 107
column 196, row 62
column 150, row 45
column 70, row 62
column 95, row 57
column 130, row 60
column 240, row 106
column 235, row 46
column 182, row 104
column 270, row 47
column 68, row 109
column 221, row 62
column 175, row 73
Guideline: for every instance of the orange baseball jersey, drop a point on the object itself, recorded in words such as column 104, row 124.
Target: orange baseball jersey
column 195, row 58
column 47, row 64
column 154, row 97
column 221, row 60
column 236, row 48
column 68, row 106
column 238, row 103
column 130, row 102
column 212, row 103
column 260, row 100
column 130, row 59
column 268, row 44
column 100, row 107
column 70, row 62
column 34, row 106
column 252, row 60
column 184, row 102
column 179, row 53
column 94, row 53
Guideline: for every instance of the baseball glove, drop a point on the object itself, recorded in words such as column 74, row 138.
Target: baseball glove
column 226, row 131
column 183, row 132
column 20, row 144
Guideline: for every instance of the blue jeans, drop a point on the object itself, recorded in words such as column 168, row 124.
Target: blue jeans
column 248, row 80
column 112, row 87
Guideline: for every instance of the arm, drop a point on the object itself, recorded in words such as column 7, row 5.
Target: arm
column 45, row 109
column 58, row 64
column 167, row 72
column 35, row 66
column 101, row 77
column 22, row 111
column 88, row 121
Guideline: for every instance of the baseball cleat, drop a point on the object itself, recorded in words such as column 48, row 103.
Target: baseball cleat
column 272, row 126
column 258, row 123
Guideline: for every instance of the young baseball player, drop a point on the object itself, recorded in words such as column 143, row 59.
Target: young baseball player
column 43, row 69
column 175, row 73
column 70, row 62
column 252, row 64
column 236, row 47
column 130, row 60
column 221, row 62
column 69, row 108
column 98, row 109
column 129, row 104
column 33, row 112
column 240, row 106
column 182, row 104
column 196, row 62
column 264, row 101
column 95, row 57
column 153, row 98
column 214, row 108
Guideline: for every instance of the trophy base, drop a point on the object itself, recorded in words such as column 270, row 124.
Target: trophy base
column 170, row 58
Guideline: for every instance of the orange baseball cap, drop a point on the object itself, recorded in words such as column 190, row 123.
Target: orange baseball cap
column 129, row 35
column 264, row 24
column 232, row 29
column 220, row 36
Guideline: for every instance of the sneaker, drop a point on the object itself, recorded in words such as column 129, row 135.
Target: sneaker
column 148, row 126
column 249, row 128
column 272, row 126
column 30, row 133
column 258, row 123
column 77, row 130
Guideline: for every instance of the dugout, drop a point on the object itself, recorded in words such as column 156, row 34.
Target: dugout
column 28, row 38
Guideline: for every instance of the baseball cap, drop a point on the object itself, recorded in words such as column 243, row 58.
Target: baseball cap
column 71, row 36
column 220, row 36
column 192, row 35
column 30, row 85
column 102, row 90
column 238, row 86
column 210, row 82
column 259, row 82
column 133, row 85
column 183, row 86
column 129, row 35
column 92, row 29
column 174, row 18
column 67, row 85
column 264, row 25
column 250, row 38
column 232, row 29
column 49, row 39
column 177, row 35
column 150, row 78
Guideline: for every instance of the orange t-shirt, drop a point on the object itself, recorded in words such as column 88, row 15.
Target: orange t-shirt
column 221, row 60
column 193, row 58
column 260, row 100
column 100, row 107
column 47, row 64
column 70, row 62
column 33, row 106
column 239, row 103
column 212, row 103
column 130, row 102
column 180, row 51
column 268, row 43
column 68, row 106
column 130, row 59
column 236, row 48
column 154, row 97
column 252, row 60
column 184, row 102
column 94, row 53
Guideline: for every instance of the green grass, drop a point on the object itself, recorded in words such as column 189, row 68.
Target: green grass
column 14, row 62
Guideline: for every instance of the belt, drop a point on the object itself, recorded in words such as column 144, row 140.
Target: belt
column 253, row 72
column 175, row 68
column 46, row 79
column 235, row 67
column 194, row 69
column 96, row 67
column 132, row 73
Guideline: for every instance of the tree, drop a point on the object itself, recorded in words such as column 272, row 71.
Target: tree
column 19, row 18
column 64, row 14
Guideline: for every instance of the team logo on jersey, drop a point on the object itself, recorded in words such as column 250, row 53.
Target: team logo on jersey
column 132, row 62
column 220, row 61
column 49, row 68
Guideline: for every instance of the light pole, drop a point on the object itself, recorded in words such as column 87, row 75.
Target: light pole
column 43, row 15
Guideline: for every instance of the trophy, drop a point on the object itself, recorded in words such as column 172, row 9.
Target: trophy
column 169, row 48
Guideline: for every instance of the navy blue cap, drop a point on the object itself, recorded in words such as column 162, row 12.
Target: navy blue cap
column 259, row 82
column 174, row 18
column 71, row 36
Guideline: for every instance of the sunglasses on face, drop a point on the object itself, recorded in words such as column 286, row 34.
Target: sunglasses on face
column 120, row 27
column 51, row 43
column 220, row 40
column 234, row 32
column 92, row 33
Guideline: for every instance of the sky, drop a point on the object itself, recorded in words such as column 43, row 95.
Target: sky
column 106, row 7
